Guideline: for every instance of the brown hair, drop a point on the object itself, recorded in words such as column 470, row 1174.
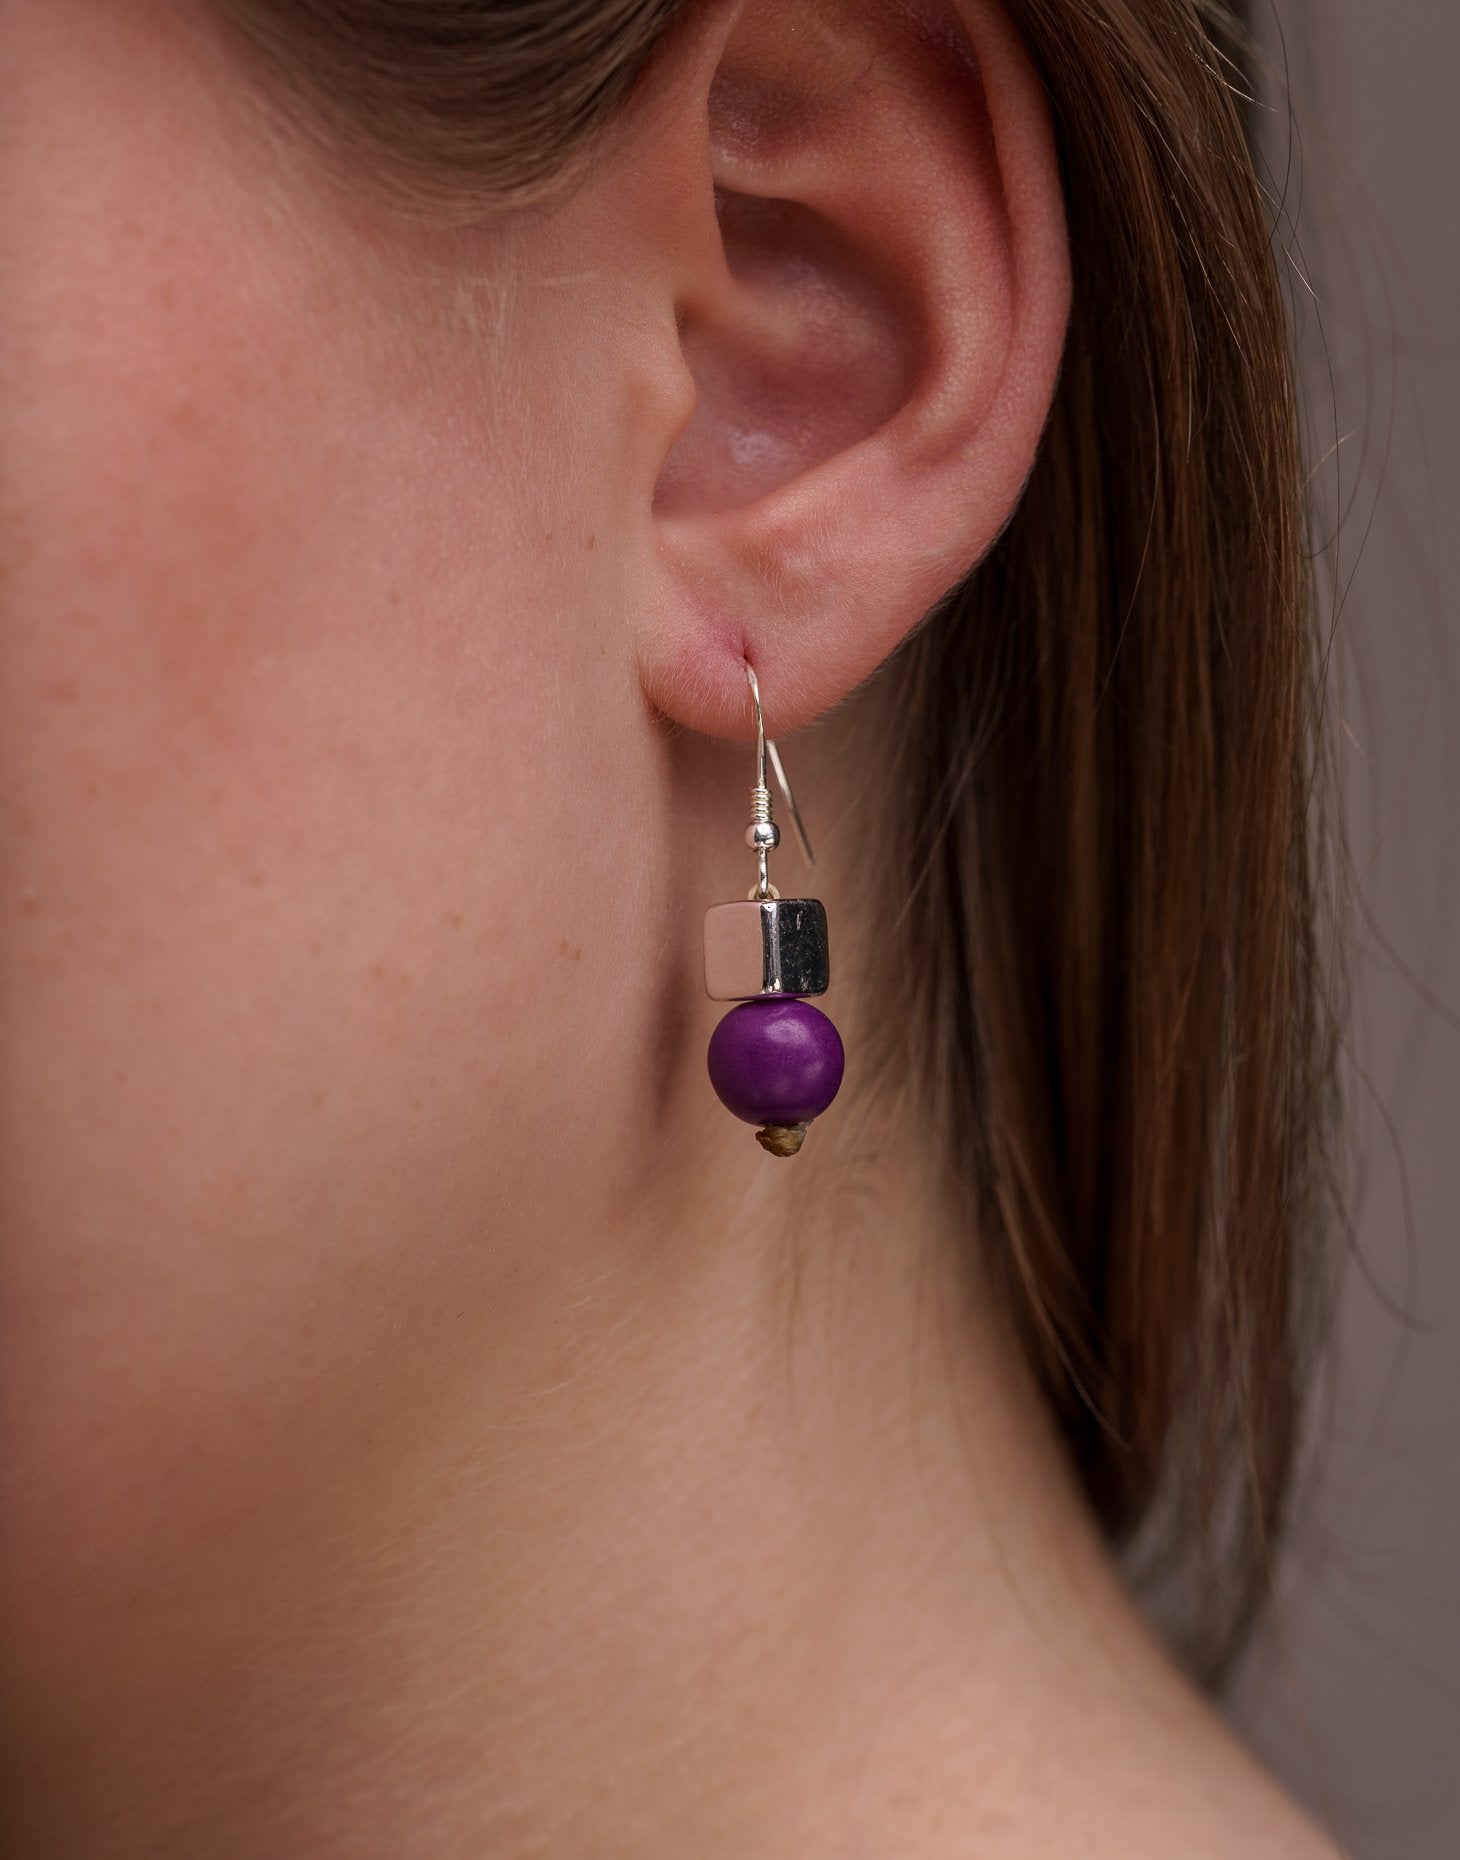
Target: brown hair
column 1105, row 745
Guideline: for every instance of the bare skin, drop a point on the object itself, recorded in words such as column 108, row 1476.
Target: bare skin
column 431, row 1425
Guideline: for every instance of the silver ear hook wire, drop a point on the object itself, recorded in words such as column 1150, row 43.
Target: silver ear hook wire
column 760, row 799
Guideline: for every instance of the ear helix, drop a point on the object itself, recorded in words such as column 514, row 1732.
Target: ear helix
column 774, row 1060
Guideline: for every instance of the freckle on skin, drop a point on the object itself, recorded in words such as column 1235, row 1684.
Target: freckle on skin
column 63, row 692
column 454, row 919
column 29, row 903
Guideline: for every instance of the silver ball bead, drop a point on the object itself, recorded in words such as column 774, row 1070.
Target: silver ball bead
column 763, row 833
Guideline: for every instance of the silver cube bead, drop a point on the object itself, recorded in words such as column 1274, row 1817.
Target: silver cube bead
column 765, row 946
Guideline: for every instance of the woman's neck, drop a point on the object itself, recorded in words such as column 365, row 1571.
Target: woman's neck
column 753, row 1541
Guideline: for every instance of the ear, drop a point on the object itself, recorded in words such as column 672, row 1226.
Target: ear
column 857, row 235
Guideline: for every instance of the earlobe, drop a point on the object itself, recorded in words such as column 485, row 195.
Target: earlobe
column 874, row 347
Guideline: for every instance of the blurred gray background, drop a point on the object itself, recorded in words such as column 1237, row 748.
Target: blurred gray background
column 1354, row 1697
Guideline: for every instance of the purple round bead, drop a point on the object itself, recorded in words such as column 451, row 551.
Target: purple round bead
column 777, row 1060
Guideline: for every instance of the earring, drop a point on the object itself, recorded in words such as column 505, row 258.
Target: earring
column 775, row 1060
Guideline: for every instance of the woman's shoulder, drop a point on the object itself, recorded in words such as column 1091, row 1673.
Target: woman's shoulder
column 1158, row 1818
column 1140, row 1774
column 1187, row 1788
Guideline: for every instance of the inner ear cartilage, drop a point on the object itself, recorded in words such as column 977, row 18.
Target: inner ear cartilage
column 774, row 1060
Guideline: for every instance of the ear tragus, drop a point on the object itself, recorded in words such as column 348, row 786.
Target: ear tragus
column 809, row 354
